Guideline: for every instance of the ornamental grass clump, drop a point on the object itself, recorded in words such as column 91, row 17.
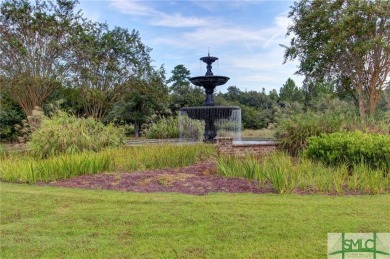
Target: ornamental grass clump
column 293, row 132
column 27, row 169
column 286, row 174
column 67, row 134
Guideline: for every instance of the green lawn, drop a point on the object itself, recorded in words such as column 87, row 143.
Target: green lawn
column 58, row 222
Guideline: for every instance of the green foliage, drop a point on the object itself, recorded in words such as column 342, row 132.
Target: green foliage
column 186, row 96
column 258, row 109
column 139, row 158
column 182, row 94
column 285, row 174
column 145, row 98
column 164, row 128
column 10, row 115
column 64, row 133
column 253, row 118
column 180, row 76
column 293, row 131
column 104, row 62
column 347, row 42
column 191, row 129
column 32, row 170
column 29, row 169
column 66, row 99
column 290, row 92
column 351, row 148
column 35, row 41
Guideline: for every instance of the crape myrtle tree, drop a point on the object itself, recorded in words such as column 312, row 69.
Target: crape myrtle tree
column 104, row 63
column 343, row 41
column 35, row 39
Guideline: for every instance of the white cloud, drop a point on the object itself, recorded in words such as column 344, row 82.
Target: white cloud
column 158, row 18
column 249, row 54
column 91, row 15
column 231, row 4
column 134, row 8
column 177, row 20
column 220, row 35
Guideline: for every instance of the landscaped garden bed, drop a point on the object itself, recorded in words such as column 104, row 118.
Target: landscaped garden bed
column 198, row 179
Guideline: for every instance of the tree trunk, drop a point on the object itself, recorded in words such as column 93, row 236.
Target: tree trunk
column 137, row 128
column 362, row 106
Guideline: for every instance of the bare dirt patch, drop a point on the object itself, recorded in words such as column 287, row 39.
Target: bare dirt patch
column 198, row 179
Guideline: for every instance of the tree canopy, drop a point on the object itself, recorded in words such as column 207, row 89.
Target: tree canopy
column 45, row 46
column 347, row 42
column 103, row 62
column 182, row 93
column 35, row 40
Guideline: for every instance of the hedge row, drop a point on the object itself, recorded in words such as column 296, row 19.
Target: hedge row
column 351, row 148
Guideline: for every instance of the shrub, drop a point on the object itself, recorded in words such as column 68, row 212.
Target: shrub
column 10, row 115
column 64, row 133
column 293, row 131
column 191, row 129
column 351, row 148
column 164, row 128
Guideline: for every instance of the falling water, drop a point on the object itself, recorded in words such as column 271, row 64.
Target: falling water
column 208, row 122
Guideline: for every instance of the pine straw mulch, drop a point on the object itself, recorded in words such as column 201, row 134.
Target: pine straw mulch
column 198, row 179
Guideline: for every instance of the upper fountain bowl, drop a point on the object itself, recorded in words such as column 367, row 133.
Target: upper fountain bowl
column 209, row 81
column 208, row 59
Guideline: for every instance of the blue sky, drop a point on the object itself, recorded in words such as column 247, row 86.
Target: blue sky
column 245, row 35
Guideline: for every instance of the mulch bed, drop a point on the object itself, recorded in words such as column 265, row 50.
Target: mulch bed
column 198, row 179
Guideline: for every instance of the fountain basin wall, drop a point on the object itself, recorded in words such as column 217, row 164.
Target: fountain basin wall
column 220, row 121
column 226, row 146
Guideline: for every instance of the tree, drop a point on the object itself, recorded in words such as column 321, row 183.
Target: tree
column 180, row 76
column 290, row 92
column 233, row 94
column 343, row 41
column 104, row 62
column 34, row 44
column 253, row 118
column 182, row 93
column 313, row 90
column 273, row 95
column 143, row 98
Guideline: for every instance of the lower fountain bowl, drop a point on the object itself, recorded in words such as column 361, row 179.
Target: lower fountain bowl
column 214, row 121
column 207, row 112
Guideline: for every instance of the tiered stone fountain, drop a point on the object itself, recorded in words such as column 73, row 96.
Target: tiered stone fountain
column 223, row 120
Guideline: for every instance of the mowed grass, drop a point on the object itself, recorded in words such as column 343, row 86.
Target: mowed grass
column 58, row 222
